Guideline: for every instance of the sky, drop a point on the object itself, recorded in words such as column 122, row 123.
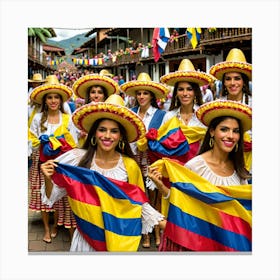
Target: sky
column 64, row 33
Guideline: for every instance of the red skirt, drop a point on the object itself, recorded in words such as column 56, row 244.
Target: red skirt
column 36, row 180
column 167, row 245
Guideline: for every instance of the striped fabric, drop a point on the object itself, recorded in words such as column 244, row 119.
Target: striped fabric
column 107, row 211
column 173, row 140
column 205, row 217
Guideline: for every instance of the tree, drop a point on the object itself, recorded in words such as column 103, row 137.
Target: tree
column 41, row 33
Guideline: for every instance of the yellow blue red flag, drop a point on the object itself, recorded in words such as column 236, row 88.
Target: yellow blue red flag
column 194, row 35
column 248, row 151
column 173, row 140
column 205, row 217
column 107, row 211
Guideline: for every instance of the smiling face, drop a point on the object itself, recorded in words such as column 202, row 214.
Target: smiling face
column 185, row 93
column 97, row 94
column 226, row 135
column 107, row 135
column 53, row 101
column 233, row 82
column 144, row 98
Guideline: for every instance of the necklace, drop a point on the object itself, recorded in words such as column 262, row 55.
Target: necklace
column 186, row 117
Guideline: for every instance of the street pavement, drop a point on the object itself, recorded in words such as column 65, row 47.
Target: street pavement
column 61, row 243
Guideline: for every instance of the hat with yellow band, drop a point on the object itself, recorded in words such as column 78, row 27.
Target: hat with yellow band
column 112, row 108
column 235, row 62
column 187, row 73
column 105, row 72
column 144, row 82
column 81, row 86
column 37, row 78
column 218, row 108
column 51, row 85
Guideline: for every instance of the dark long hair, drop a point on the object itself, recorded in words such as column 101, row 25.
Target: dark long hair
column 44, row 110
column 175, row 102
column 87, row 100
column 153, row 100
column 87, row 158
column 237, row 157
column 245, row 89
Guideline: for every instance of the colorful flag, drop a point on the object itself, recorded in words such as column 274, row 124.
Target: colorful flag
column 173, row 140
column 194, row 36
column 160, row 40
column 61, row 141
column 205, row 217
column 248, row 151
column 107, row 211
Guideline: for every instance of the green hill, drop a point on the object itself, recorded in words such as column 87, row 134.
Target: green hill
column 71, row 43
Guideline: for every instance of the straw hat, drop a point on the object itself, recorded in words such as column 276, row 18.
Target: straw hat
column 52, row 85
column 235, row 62
column 210, row 110
column 80, row 87
column 144, row 82
column 105, row 72
column 187, row 73
column 112, row 108
column 37, row 78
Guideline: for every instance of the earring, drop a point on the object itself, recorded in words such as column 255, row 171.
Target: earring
column 236, row 147
column 93, row 141
column 211, row 142
column 195, row 101
column 121, row 145
column 225, row 91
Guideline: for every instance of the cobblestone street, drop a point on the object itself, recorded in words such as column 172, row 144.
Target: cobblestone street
column 61, row 243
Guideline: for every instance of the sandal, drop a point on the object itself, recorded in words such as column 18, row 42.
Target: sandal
column 46, row 239
column 146, row 242
column 157, row 235
column 54, row 232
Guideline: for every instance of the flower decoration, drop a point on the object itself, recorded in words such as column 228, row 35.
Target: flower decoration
column 152, row 134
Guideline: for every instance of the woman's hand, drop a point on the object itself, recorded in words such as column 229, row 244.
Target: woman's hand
column 48, row 168
column 83, row 134
column 155, row 175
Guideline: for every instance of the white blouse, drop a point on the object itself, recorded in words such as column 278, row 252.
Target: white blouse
column 150, row 217
column 194, row 121
column 243, row 99
column 35, row 127
column 199, row 166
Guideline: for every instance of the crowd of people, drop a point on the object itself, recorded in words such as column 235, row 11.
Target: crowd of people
column 116, row 161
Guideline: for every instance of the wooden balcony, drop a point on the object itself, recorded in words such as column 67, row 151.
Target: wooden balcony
column 210, row 43
column 35, row 56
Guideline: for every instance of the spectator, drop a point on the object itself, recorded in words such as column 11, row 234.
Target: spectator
column 207, row 94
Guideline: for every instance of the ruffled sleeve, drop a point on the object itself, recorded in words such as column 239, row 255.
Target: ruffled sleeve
column 150, row 218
